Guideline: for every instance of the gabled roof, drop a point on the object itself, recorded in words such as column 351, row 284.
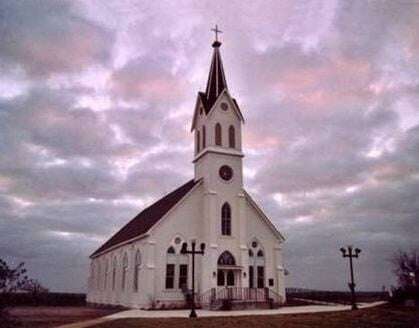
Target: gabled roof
column 144, row 221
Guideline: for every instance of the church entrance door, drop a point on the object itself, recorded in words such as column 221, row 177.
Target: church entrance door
column 228, row 273
column 226, row 278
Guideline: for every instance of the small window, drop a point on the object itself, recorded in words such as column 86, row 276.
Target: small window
column 170, row 276
column 171, row 250
column 183, row 276
column 137, row 269
column 198, row 141
column 250, row 253
column 124, row 270
column 114, row 273
column 98, row 276
column 254, row 244
column 204, row 137
column 260, row 253
column 231, row 137
column 226, row 220
column 218, row 135
column 106, row 274
column 271, row 282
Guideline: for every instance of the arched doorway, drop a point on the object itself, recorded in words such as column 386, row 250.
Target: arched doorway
column 228, row 272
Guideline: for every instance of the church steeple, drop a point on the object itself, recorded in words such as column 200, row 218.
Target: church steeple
column 216, row 78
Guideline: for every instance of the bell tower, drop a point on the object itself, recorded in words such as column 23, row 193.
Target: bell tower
column 218, row 160
column 217, row 125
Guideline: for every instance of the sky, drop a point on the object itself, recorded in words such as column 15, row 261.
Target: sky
column 96, row 103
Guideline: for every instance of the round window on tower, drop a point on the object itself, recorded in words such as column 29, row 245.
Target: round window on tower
column 226, row 172
column 224, row 106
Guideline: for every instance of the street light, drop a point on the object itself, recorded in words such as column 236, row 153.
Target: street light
column 351, row 253
column 185, row 250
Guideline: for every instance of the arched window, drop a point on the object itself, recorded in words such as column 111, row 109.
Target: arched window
column 218, row 137
column 226, row 258
column 170, row 268
column 171, row 250
column 204, row 137
column 106, row 274
column 137, row 265
column 99, row 273
column 92, row 275
column 250, row 253
column 114, row 273
column 231, row 137
column 256, row 265
column 226, row 220
column 198, row 142
column 124, row 270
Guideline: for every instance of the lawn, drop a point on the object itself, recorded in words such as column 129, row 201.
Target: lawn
column 49, row 316
column 383, row 317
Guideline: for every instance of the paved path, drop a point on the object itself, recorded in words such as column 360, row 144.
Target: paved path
column 207, row 313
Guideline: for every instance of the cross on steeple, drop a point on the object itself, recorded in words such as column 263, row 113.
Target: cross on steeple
column 216, row 31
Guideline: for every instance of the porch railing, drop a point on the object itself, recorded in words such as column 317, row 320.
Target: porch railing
column 214, row 295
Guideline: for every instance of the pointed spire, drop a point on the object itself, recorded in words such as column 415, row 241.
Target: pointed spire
column 216, row 78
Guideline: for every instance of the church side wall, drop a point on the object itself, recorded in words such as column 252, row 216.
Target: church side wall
column 104, row 288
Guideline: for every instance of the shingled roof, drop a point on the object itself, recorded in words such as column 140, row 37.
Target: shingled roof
column 148, row 217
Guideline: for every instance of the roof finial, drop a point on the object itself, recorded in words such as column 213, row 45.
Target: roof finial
column 216, row 31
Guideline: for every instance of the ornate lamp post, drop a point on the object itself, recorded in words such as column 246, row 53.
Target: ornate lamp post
column 351, row 253
column 185, row 250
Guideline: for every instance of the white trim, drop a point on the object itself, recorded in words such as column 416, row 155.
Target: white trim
column 198, row 103
column 218, row 150
column 232, row 104
column 122, row 243
column 264, row 217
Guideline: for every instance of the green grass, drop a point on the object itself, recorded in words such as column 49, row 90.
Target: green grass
column 383, row 317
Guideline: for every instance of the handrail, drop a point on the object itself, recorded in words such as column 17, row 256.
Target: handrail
column 214, row 295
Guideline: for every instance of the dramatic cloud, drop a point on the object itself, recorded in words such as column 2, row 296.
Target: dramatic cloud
column 45, row 37
column 96, row 103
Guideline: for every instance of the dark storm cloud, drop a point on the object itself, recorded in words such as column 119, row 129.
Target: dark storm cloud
column 328, row 89
column 328, row 153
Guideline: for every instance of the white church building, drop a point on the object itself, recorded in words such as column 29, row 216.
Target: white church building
column 142, row 266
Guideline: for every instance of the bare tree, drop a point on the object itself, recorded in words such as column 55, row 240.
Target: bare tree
column 11, row 279
column 34, row 287
column 406, row 268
